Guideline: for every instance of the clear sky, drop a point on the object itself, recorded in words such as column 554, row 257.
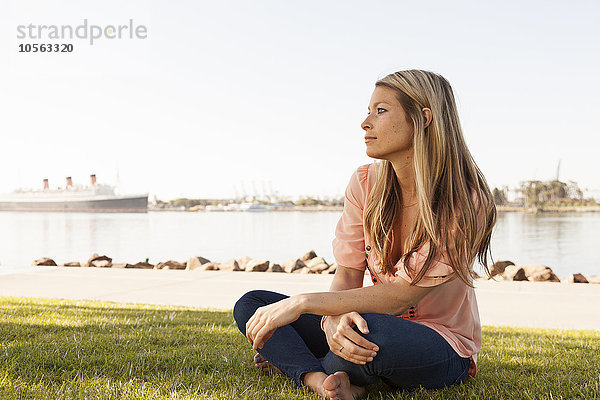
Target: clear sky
column 225, row 93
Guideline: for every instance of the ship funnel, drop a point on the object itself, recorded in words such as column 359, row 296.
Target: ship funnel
column 69, row 182
column 93, row 179
column 46, row 185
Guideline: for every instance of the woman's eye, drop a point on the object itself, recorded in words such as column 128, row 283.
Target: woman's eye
column 379, row 108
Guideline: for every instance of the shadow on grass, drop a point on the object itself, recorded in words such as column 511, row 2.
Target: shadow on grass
column 61, row 349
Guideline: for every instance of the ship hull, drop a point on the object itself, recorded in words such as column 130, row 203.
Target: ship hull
column 118, row 204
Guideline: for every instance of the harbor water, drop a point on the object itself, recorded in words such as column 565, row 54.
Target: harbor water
column 566, row 242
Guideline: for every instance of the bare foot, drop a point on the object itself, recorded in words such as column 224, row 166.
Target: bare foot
column 337, row 387
column 261, row 363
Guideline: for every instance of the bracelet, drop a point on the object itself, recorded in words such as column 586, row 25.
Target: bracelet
column 323, row 318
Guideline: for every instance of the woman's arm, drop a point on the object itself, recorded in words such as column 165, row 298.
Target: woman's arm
column 346, row 278
column 389, row 298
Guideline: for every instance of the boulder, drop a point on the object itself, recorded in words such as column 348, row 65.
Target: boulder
column 276, row 268
column 44, row 261
column 539, row 273
column 242, row 263
column 140, row 265
column 514, row 273
column 317, row 265
column 577, row 278
column 99, row 261
column 293, row 265
column 121, row 265
column 72, row 264
column 210, row 266
column 257, row 266
column 309, row 256
column 498, row 267
column 171, row 264
column 195, row 263
column 230, row 265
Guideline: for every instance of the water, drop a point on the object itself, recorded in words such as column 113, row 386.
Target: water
column 567, row 242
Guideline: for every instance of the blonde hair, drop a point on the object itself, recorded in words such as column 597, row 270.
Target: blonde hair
column 456, row 209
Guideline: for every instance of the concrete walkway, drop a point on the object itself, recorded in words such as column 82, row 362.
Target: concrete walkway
column 522, row 304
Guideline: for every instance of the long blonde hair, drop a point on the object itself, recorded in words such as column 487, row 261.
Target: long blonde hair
column 451, row 190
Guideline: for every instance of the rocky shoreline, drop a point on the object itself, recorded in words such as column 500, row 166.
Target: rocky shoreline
column 310, row 263
column 548, row 209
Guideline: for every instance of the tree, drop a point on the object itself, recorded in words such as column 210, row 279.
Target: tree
column 499, row 196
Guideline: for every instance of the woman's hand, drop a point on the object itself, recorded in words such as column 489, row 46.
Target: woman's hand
column 340, row 333
column 261, row 326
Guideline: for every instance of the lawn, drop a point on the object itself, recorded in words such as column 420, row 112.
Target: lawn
column 54, row 349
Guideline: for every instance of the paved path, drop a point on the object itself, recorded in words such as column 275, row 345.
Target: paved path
column 524, row 304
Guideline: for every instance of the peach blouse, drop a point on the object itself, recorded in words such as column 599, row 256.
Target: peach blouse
column 451, row 310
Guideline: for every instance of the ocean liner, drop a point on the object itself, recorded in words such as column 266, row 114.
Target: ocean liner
column 93, row 198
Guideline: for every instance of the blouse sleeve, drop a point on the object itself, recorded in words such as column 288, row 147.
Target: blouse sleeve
column 439, row 271
column 349, row 243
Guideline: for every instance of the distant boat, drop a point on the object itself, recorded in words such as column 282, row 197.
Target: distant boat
column 247, row 206
column 76, row 198
column 253, row 207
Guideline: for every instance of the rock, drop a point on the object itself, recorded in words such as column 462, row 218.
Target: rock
column 242, row 263
column 230, row 265
column 276, row 268
column 332, row 269
column 309, row 256
column 210, row 266
column 317, row 265
column 99, row 261
column 72, row 264
column 140, row 265
column 514, row 273
column 195, row 263
column 121, row 265
column 577, row 278
column 315, row 261
column 44, row 261
column 293, row 265
column 539, row 273
column 498, row 267
column 171, row 264
column 257, row 266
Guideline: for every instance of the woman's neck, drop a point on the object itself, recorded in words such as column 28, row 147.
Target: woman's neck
column 405, row 173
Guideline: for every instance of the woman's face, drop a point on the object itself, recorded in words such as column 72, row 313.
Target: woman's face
column 388, row 135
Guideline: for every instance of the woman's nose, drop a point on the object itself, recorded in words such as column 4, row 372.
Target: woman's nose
column 366, row 124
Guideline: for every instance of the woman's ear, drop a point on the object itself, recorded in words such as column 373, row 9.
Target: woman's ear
column 428, row 116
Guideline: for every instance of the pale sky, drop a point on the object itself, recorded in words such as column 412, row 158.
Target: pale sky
column 221, row 93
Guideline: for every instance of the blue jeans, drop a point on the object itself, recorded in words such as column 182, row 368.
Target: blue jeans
column 410, row 354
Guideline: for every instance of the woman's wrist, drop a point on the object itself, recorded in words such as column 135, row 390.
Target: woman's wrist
column 323, row 318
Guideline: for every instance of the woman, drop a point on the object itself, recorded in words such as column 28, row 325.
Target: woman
column 417, row 220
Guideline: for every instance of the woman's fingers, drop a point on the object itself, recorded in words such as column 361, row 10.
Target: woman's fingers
column 251, row 326
column 364, row 346
column 359, row 321
column 262, row 336
column 350, row 351
column 355, row 347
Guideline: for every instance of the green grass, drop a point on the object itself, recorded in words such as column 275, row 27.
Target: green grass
column 70, row 350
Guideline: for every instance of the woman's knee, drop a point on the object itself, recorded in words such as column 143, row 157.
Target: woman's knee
column 246, row 305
